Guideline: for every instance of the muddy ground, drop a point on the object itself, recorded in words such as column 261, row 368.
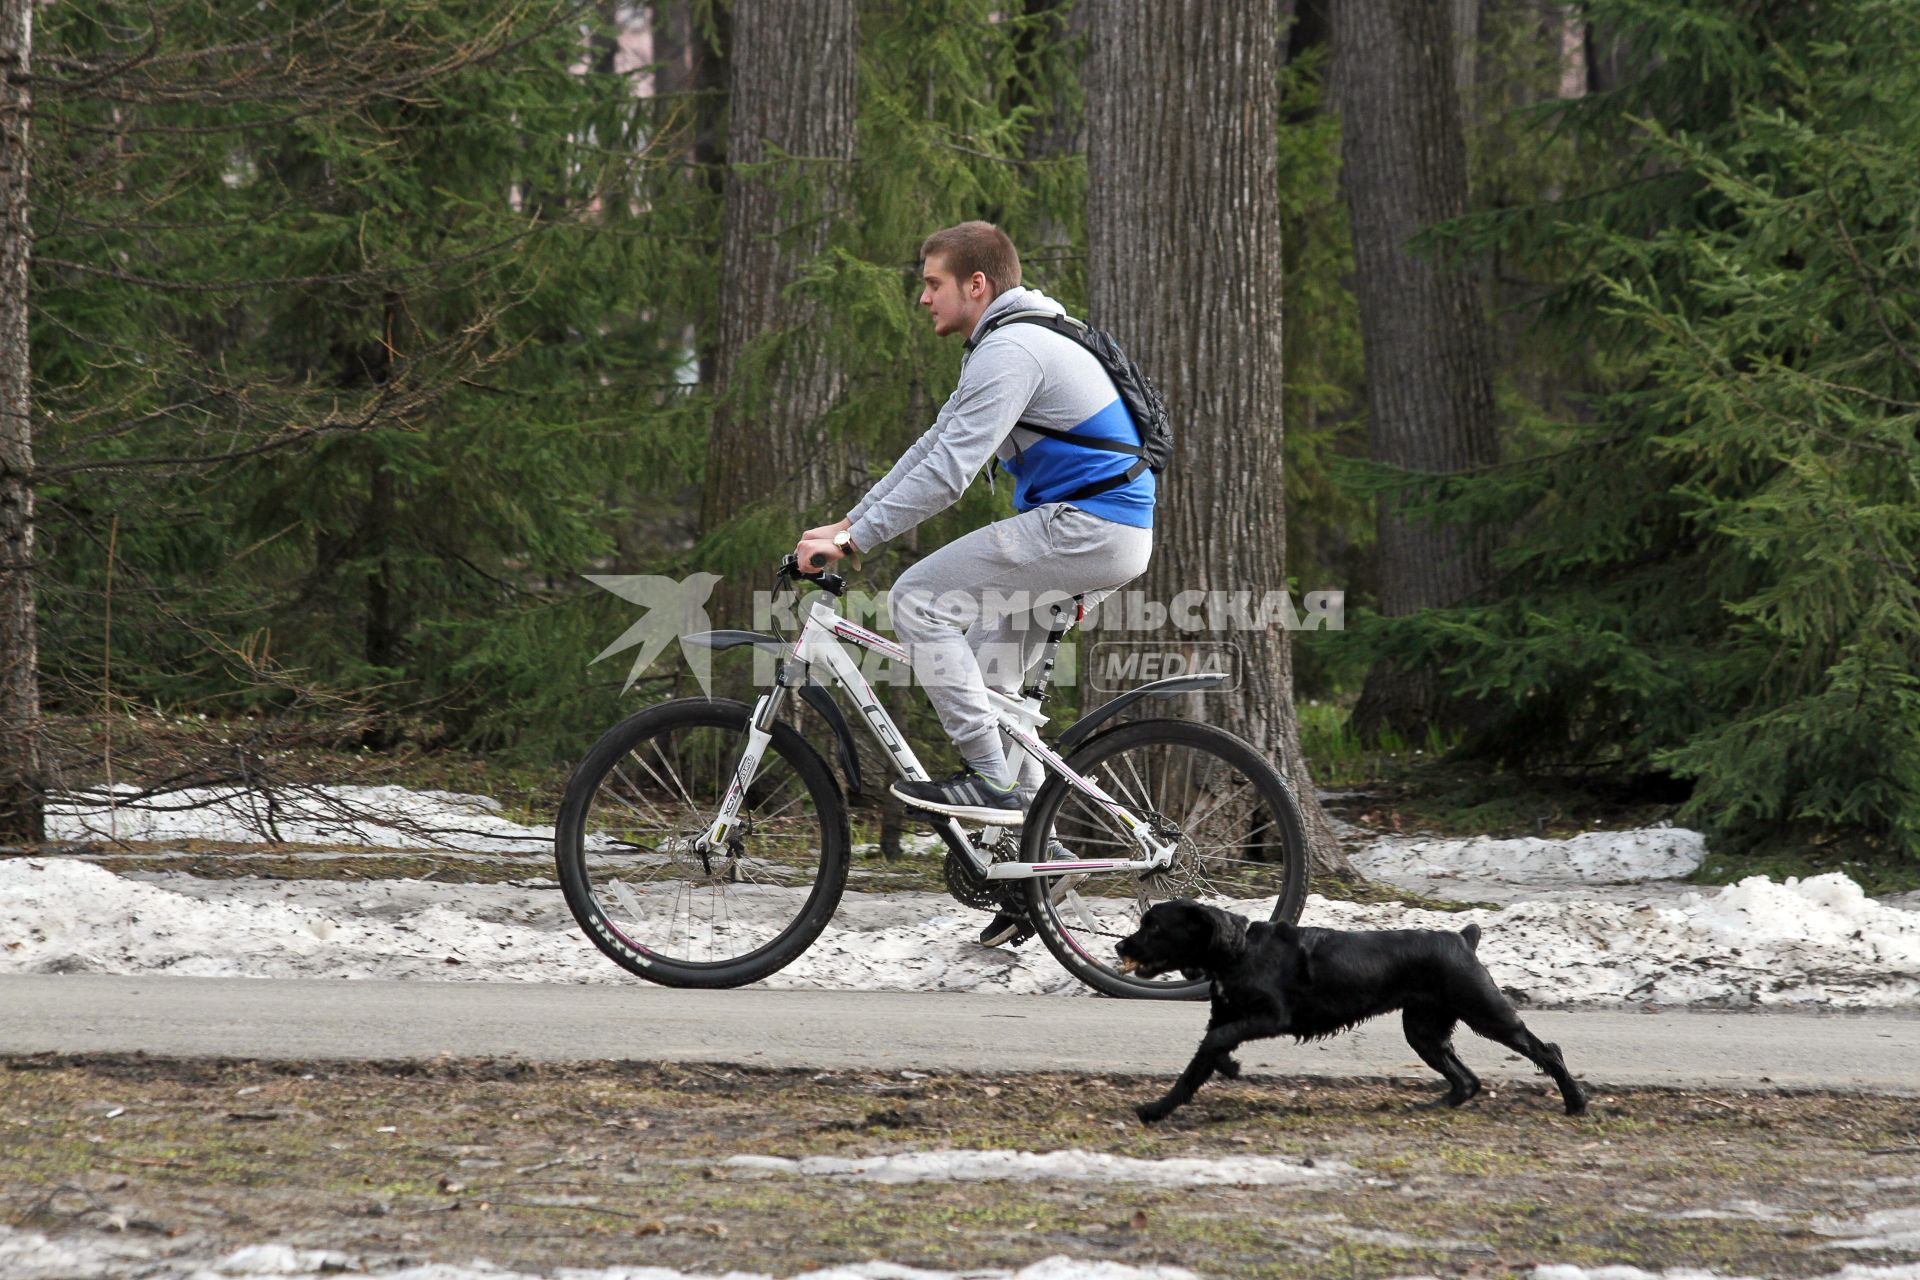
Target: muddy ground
column 537, row 1167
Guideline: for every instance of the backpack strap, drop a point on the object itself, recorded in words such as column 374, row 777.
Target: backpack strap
column 1085, row 442
column 1128, row 476
column 1069, row 327
column 1066, row 326
column 1057, row 321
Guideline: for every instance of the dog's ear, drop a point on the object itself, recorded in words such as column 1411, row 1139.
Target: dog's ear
column 1229, row 941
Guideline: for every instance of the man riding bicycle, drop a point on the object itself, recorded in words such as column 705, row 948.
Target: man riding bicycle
column 1083, row 524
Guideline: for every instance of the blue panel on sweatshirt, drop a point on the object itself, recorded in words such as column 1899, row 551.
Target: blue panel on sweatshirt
column 1048, row 469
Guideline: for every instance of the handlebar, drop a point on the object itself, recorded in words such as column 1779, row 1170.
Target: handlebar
column 831, row 583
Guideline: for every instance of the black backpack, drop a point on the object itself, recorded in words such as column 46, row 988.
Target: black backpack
column 1137, row 392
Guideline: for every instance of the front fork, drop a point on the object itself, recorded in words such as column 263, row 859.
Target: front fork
column 759, row 733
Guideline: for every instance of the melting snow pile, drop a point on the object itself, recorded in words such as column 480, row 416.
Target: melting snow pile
column 1820, row 941
column 1594, row 857
column 1881, row 1229
column 367, row 817
column 24, row 1256
column 1572, row 935
column 1048, row 1166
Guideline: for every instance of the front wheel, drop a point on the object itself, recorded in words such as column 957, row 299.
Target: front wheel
column 639, row 877
column 1241, row 844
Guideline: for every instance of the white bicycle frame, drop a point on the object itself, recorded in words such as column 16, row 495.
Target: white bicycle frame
column 818, row 647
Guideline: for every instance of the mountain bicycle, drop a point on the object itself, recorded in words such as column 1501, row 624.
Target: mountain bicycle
column 704, row 842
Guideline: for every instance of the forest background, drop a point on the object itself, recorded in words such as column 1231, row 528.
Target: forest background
column 1575, row 342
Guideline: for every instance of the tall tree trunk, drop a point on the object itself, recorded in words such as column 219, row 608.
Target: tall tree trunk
column 22, row 811
column 792, row 93
column 1428, row 354
column 1464, row 40
column 1183, row 221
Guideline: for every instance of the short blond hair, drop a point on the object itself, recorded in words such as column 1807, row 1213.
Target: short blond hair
column 976, row 246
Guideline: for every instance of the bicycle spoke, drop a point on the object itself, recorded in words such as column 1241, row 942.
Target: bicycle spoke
column 1215, row 794
column 692, row 906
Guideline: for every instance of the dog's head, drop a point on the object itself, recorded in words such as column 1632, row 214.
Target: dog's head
column 1183, row 935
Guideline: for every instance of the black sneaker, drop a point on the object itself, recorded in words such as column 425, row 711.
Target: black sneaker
column 1013, row 927
column 1009, row 927
column 966, row 795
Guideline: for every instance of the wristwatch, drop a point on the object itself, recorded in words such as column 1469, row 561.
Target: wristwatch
column 844, row 541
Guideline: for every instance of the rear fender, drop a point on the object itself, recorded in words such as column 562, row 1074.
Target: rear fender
column 1083, row 728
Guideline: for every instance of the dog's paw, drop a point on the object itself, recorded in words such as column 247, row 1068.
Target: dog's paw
column 1152, row 1112
column 1228, row 1067
column 1446, row 1101
column 1576, row 1106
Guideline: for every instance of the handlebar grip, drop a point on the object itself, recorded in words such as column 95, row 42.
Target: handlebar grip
column 819, row 562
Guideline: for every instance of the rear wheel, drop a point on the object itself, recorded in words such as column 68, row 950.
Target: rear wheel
column 1241, row 844
column 629, row 847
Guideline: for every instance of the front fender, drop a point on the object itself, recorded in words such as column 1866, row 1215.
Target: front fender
column 1080, row 730
column 721, row 640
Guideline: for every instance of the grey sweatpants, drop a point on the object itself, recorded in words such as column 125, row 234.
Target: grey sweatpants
column 975, row 614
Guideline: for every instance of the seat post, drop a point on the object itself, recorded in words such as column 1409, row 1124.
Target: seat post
column 1043, row 671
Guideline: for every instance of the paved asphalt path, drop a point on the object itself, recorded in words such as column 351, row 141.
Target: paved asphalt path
column 320, row 1019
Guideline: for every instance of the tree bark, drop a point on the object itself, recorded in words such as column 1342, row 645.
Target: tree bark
column 22, row 807
column 792, row 93
column 1183, row 222
column 1423, row 324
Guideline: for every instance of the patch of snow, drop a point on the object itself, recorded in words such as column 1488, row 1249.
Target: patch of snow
column 1653, row 853
column 1816, row 941
column 1048, row 1166
column 25, row 1256
column 1588, row 920
column 1735, row 1210
column 1881, row 1229
column 366, row 817
column 1820, row 941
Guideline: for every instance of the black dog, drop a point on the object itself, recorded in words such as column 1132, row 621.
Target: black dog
column 1279, row 980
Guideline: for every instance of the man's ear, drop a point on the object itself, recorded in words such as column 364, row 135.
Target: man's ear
column 1229, row 941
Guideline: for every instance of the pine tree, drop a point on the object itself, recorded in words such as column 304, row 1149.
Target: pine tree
column 349, row 350
column 1715, row 576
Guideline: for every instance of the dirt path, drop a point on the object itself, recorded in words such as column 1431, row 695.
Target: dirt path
column 542, row 1166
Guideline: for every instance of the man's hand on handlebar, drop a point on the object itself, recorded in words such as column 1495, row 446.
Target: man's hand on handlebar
column 817, row 549
column 816, row 554
column 826, row 530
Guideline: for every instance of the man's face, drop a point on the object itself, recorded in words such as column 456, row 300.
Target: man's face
column 954, row 304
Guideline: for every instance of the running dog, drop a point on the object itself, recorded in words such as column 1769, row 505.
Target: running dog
column 1280, row 980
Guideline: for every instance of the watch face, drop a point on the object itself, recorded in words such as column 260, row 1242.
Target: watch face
column 843, row 537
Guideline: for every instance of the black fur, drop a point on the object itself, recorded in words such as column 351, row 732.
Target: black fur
column 1280, row 980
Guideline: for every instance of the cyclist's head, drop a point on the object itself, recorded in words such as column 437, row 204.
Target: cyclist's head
column 962, row 269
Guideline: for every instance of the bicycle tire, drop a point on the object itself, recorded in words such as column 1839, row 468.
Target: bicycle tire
column 1088, row 919
column 627, row 868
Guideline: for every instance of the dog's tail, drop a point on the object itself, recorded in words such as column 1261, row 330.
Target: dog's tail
column 1472, row 934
